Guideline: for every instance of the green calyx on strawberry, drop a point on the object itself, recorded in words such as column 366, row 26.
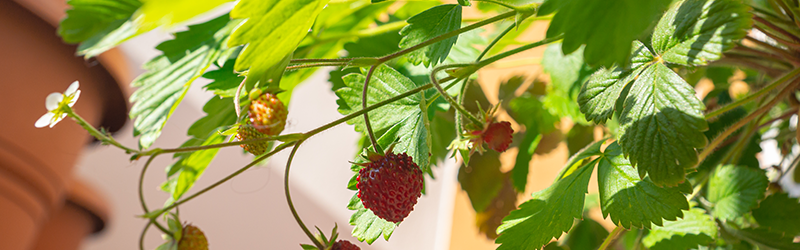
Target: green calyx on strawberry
column 331, row 244
column 267, row 114
column 492, row 134
column 389, row 185
column 192, row 239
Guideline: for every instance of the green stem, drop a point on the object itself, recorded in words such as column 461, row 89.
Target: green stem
column 102, row 137
column 780, row 30
column 447, row 35
column 320, row 60
column 289, row 198
column 141, row 183
column 785, row 54
column 736, row 126
column 449, row 98
column 496, row 2
column 700, row 185
column 785, row 173
column 372, row 107
column 223, row 180
column 751, row 97
column 144, row 232
column 465, row 83
column 364, row 95
column 311, row 65
column 497, row 57
column 612, row 237
column 389, row 27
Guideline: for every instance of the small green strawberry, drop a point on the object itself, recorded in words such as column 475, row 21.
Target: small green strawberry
column 248, row 132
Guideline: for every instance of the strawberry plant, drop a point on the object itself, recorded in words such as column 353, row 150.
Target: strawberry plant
column 659, row 81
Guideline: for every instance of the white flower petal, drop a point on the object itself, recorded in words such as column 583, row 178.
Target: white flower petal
column 44, row 120
column 57, row 119
column 72, row 88
column 52, row 100
column 74, row 98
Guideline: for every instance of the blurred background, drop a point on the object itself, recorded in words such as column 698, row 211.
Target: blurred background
column 250, row 211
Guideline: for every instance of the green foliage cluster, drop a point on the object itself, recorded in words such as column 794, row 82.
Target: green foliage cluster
column 676, row 168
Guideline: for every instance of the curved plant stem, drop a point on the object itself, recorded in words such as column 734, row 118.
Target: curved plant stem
column 101, row 136
column 447, row 35
column 289, row 197
column 141, row 195
column 223, row 180
column 778, row 29
column 372, row 107
column 141, row 183
column 497, row 57
column 785, row 173
column 311, row 65
column 446, row 96
column 465, row 83
column 364, row 93
column 757, row 94
column 496, row 2
column 713, row 145
column 144, row 232
column 612, row 237
column 290, row 143
column 785, row 54
column 320, row 60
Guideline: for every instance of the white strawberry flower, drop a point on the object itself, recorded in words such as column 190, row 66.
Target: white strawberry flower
column 59, row 105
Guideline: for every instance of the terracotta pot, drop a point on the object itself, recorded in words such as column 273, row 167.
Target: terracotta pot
column 36, row 164
column 83, row 213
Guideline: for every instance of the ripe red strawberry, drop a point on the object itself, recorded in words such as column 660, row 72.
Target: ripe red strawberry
column 192, row 239
column 344, row 245
column 390, row 185
column 268, row 114
column 498, row 135
column 248, row 132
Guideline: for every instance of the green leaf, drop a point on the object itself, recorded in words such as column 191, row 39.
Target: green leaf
column 779, row 213
column 632, row 201
column 427, row 25
column 366, row 225
column 548, row 214
column 155, row 13
column 598, row 96
column 578, row 137
column 308, row 247
column 528, row 145
column 481, row 179
column 579, row 157
column 567, row 74
column 587, row 234
column 205, row 131
column 661, row 125
column 225, row 82
column 696, row 32
column 99, row 25
column 735, row 190
column 764, row 239
column 621, row 22
column 408, row 115
column 696, row 228
column 529, row 111
column 88, row 18
column 169, row 75
column 272, row 31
